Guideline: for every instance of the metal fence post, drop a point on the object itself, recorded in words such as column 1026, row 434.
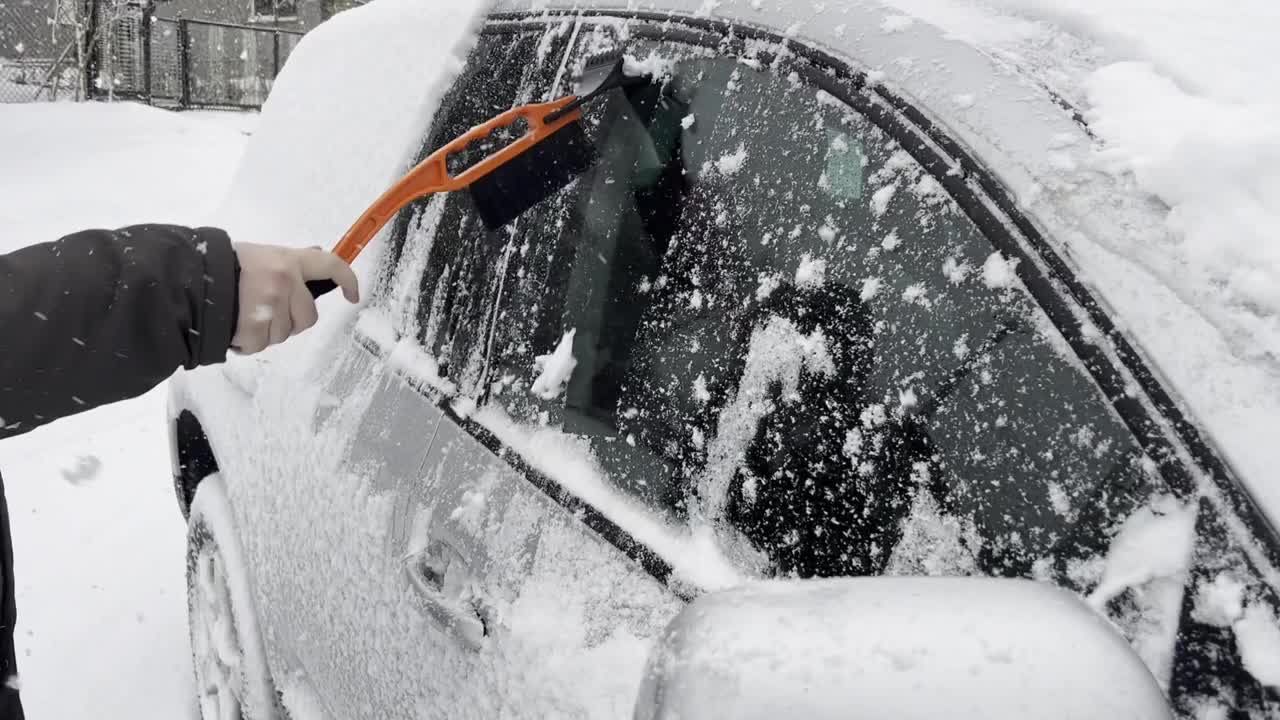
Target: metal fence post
column 144, row 34
column 93, row 49
column 275, row 55
column 184, row 63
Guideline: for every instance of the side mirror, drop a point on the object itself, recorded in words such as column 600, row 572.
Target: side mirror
column 895, row 647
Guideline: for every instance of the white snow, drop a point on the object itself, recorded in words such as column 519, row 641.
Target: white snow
column 731, row 163
column 1154, row 543
column 1258, row 636
column 777, row 353
column 1219, row 603
column 417, row 365
column 955, row 272
column 693, row 554
column 811, row 273
column 101, row 592
column 997, row 272
column 880, row 199
column 897, row 23
column 870, row 286
column 554, row 369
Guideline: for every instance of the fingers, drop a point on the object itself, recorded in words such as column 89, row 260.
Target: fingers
column 254, row 327
column 322, row 265
column 302, row 309
column 274, row 300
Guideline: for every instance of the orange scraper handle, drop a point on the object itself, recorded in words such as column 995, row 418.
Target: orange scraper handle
column 432, row 174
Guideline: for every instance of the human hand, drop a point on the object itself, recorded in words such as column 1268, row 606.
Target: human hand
column 275, row 303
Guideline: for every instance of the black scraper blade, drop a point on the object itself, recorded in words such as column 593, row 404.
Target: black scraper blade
column 546, row 168
column 532, row 176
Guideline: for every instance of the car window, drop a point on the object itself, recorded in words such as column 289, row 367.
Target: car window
column 758, row 309
column 466, row 263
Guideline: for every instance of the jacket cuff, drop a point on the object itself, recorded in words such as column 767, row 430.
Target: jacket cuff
column 221, row 296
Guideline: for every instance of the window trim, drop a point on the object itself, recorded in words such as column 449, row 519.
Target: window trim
column 1182, row 454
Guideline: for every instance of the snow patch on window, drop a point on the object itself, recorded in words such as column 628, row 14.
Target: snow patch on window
column 997, row 272
column 1154, row 542
column 730, row 163
column 934, row 543
column 955, row 271
column 419, row 366
column 554, row 369
column 1220, row 602
column 768, row 283
column 653, row 65
column 374, row 325
column 568, row 460
column 870, row 286
column 1258, row 637
column 777, row 353
column 880, row 199
column 812, row 273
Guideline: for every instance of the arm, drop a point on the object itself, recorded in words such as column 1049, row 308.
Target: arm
column 100, row 316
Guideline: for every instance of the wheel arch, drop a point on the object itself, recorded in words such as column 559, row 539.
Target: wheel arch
column 192, row 457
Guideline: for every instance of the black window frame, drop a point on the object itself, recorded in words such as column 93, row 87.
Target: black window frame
column 1183, row 455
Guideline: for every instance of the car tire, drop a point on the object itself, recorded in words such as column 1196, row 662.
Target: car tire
column 232, row 677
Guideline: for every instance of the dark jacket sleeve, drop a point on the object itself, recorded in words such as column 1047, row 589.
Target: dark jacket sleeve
column 103, row 315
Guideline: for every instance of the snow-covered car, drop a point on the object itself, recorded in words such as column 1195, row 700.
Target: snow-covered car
column 794, row 331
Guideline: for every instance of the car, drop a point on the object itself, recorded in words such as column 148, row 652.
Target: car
column 799, row 350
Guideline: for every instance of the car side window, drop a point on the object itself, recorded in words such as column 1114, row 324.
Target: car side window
column 467, row 264
column 757, row 309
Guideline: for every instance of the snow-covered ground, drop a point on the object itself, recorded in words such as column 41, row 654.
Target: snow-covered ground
column 98, row 541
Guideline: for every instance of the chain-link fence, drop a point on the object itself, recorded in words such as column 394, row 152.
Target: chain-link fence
column 123, row 51
column 197, row 63
column 41, row 49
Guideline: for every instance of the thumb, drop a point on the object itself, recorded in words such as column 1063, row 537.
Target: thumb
column 317, row 264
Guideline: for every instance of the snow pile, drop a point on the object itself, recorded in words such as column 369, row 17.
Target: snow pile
column 1219, row 603
column 811, row 273
column 1154, row 543
column 1217, row 166
column 1258, row 637
column 997, row 272
column 555, row 369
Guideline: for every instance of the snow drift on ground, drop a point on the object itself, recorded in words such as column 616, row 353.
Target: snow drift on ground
column 98, row 541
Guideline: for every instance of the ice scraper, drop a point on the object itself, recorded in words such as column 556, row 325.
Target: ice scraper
column 551, row 153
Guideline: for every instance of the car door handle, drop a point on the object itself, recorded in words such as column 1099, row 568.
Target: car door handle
column 441, row 580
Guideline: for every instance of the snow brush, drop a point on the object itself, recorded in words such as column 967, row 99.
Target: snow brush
column 509, row 181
